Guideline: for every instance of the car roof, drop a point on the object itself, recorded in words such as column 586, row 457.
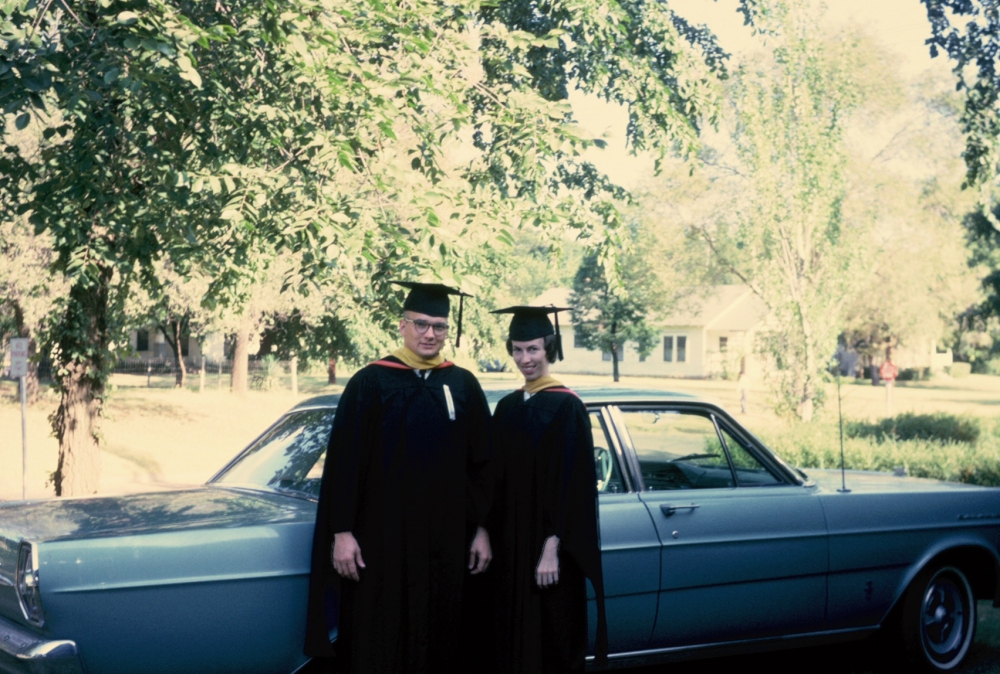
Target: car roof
column 594, row 395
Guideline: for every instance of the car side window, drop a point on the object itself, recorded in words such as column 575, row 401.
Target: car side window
column 609, row 476
column 678, row 450
column 750, row 472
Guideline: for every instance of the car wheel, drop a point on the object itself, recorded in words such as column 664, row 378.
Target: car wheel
column 938, row 619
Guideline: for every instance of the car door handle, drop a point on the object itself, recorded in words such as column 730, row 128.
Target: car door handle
column 669, row 510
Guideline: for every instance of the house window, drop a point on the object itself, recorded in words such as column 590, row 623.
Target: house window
column 668, row 349
column 723, row 344
column 606, row 355
column 681, row 349
column 577, row 341
column 142, row 340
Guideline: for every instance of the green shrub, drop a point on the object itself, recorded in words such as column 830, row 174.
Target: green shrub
column 817, row 445
column 914, row 374
column 268, row 374
column 960, row 369
column 909, row 426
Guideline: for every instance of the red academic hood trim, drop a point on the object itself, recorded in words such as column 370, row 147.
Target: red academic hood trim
column 556, row 389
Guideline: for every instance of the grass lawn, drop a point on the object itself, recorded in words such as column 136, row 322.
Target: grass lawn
column 158, row 437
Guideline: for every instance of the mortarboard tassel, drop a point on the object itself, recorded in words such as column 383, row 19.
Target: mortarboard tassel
column 559, row 350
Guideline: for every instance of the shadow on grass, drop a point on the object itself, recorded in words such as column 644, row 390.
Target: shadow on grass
column 145, row 463
column 120, row 406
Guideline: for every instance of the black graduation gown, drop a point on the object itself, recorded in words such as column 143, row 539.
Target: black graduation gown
column 408, row 476
column 547, row 486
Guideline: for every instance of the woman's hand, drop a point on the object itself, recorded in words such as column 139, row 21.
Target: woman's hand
column 480, row 552
column 547, row 571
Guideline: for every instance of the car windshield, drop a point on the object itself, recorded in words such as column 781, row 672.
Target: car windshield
column 289, row 457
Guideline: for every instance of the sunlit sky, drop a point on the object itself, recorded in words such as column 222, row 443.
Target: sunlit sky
column 899, row 26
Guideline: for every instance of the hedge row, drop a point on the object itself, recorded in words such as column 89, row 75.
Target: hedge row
column 817, row 445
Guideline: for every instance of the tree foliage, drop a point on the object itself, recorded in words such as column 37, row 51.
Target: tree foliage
column 785, row 235
column 916, row 280
column 984, row 253
column 369, row 141
column 968, row 31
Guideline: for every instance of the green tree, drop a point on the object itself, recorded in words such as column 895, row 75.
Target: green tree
column 368, row 140
column 968, row 31
column 27, row 291
column 984, row 253
column 606, row 315
column 916, row 279
column 785, row 235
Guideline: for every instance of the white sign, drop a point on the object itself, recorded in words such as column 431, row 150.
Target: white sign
column 18, row 356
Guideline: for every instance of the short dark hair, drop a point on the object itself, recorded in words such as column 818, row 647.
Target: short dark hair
column 551, row 348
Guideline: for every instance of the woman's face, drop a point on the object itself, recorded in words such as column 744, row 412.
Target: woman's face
column 530, row 358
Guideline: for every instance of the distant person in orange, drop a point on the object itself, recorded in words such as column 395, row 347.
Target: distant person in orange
column 888, row 373
column 742, row 385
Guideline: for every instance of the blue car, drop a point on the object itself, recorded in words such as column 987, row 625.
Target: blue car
column 711, row 545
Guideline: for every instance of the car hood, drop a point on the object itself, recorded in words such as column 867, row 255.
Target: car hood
column 871, row 481
column 95, row 517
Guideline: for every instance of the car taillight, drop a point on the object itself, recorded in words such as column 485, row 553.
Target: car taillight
column 27, row 583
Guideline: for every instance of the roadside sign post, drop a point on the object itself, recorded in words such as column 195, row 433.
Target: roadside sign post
column 19, row 369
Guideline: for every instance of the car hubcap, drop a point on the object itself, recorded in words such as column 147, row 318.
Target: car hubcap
column 945, row 618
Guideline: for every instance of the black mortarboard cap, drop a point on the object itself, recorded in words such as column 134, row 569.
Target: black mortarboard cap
column 528, row 323
column 432, row 299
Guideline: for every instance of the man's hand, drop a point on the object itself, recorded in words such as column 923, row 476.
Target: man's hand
column 346, row 555
column 480, row 553
column 547, row 571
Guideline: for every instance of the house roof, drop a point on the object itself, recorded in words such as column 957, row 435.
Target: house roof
column 556, row 296
column 722, row 307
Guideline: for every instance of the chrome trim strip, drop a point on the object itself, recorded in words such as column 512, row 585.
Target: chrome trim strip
column 192, row 580
column 29, row 578
column 852, row 631
column 612, row 436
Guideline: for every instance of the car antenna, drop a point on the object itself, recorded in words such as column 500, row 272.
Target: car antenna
column 840, row 413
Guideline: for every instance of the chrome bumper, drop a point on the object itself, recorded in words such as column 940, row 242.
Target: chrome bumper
column 22, row 652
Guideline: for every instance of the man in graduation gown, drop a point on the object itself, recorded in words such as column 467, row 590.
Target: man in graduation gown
column 405, row 487
column 546, row 537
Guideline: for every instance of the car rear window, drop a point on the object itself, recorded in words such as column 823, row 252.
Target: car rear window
column 288, row 457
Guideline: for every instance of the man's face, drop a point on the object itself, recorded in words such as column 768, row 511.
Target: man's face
column 428, row 343
column 530, row 358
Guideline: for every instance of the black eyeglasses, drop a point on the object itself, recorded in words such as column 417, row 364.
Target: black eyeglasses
column 440, row 329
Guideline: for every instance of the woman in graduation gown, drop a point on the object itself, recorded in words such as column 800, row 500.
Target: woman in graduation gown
column 545, row 541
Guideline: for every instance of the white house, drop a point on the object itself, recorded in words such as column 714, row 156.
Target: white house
column 710, row 335
column 149, row 344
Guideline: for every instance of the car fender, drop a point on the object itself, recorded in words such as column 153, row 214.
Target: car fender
column 943, row 548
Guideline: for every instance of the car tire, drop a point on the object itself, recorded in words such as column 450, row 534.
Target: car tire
column 938, row 620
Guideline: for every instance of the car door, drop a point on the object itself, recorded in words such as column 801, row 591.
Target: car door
column 743, row 548
column 630, row 548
